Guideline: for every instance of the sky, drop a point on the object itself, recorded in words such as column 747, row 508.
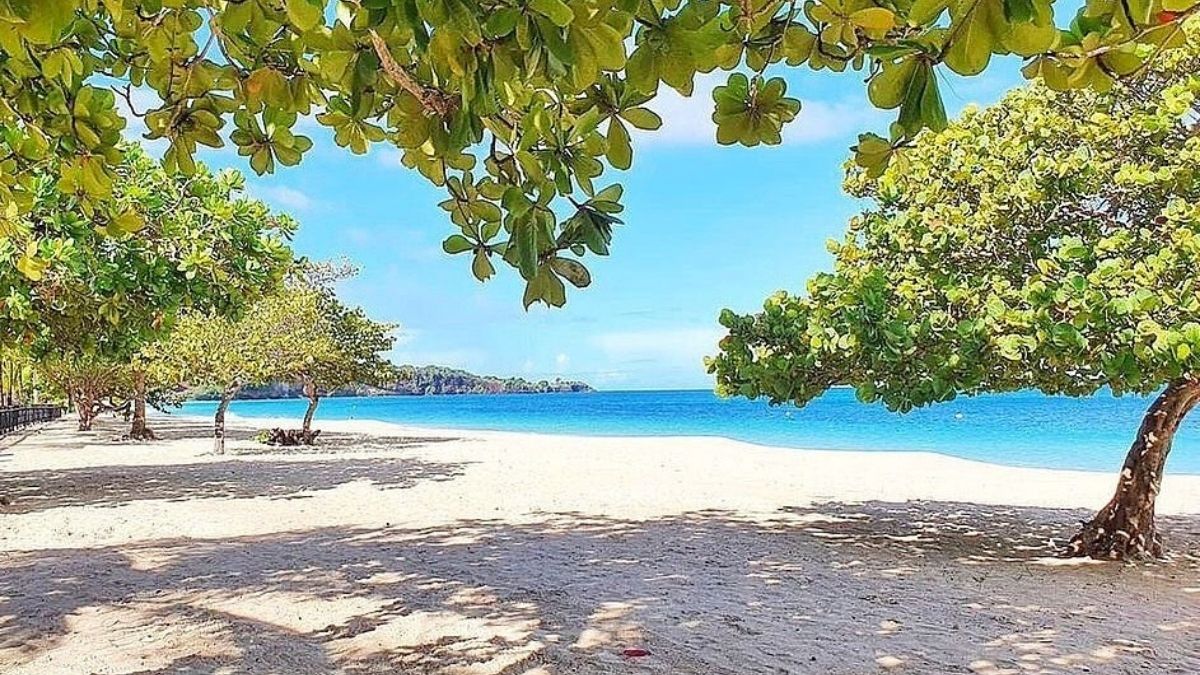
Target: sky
column 706, row 227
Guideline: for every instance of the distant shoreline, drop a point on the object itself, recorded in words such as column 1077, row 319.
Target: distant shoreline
column 892, row 475
column 391, row 394
column 376, row 423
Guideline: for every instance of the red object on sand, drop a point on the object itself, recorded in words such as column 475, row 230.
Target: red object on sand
column 635, row 653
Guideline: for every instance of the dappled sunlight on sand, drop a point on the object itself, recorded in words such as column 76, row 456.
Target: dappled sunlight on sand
column 420, row 570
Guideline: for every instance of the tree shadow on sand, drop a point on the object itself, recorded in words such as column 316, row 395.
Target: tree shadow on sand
column 106, row 486
column 301, row 472
column 836, row 588
column 241, row 436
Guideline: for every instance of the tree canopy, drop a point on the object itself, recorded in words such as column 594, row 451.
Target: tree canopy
column 344, row 346
column 300, row 332
column 1048, row 242
column 69, row 282
column 517, row 107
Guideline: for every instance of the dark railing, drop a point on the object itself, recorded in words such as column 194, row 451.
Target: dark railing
column 12, row 419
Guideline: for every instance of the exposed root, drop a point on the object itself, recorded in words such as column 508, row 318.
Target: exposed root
column 1113, row 535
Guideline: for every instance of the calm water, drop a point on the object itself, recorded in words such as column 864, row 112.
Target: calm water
column 1024, row 429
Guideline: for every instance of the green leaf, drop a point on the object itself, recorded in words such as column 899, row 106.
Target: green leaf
column 456, row 243
column 545, row 287
column 305, row 14
column 482, row 266
column 620, row 153
column 873, row 153
column 642, row 118
column 971, row 39
column 572, row 271
column 129, row 222
column 889, row 88
column 874, row 19
column 555, row 10
column 926, row 11
column 502, row 22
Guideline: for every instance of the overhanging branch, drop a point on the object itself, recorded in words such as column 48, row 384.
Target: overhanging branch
column 434, row 100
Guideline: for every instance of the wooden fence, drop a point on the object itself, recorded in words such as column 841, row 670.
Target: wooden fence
column 13, row 419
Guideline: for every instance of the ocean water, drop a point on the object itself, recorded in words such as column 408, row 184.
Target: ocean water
column 1021, row 429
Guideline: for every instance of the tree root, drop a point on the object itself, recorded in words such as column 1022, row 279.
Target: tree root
column 1111, row 535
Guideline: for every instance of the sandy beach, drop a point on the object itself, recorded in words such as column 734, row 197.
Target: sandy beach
column 394, row 550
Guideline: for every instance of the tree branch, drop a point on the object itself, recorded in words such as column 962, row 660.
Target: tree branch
column 434, row 100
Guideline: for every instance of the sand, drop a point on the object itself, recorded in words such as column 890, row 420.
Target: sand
column 397, row 550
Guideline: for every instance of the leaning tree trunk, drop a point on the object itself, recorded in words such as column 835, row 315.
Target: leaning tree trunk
column 219, row 419
column 310, row 392
column 138, row 430
column 1124, row 529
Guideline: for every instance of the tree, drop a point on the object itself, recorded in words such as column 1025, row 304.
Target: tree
column 18, row 380
column 74, row 286
column 85, row 380
column 1050, row 242
column 299, row 332
column 345, row 346
column 516, row 107
column 217, row 350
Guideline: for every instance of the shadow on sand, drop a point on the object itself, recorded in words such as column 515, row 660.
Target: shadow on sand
column 837, row 588
column 302, row 471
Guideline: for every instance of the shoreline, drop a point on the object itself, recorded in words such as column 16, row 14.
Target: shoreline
column 1003, row 484
column 288, row 422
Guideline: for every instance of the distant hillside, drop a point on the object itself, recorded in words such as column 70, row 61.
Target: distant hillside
column 417, row 381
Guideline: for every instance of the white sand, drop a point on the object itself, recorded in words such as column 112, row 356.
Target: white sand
column 389, row 549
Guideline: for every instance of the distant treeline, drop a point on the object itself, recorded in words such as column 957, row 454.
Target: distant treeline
column 414, row 381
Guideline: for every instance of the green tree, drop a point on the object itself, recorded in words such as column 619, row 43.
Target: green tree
column 73, row 284
column 87, row 381
column 68, row 277
column 1049, row 242
column 18, row 377
column 220, row 351
column 516, row 107
column 345, row 347
column 301, row 332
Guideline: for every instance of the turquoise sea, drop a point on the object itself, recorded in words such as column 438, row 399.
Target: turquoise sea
column 1022, row 429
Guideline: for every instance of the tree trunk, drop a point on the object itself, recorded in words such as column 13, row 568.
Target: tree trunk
column 138, row 430
column 85, row 407
column 1124, row 529
column 219, row 420
column 310, row 392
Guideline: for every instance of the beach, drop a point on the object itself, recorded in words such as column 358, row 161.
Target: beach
column 394, row 549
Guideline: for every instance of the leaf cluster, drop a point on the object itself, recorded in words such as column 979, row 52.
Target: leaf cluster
column 516, row 107
column 73, row 279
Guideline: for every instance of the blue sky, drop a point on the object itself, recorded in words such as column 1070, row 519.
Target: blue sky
column 707, row 227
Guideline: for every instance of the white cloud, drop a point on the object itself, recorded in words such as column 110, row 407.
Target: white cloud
column 561, row 362
column 388, row 156
column 686, row 119
column 822, row 121
column 670, row 346
column 283, row 197
column 468, row 359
